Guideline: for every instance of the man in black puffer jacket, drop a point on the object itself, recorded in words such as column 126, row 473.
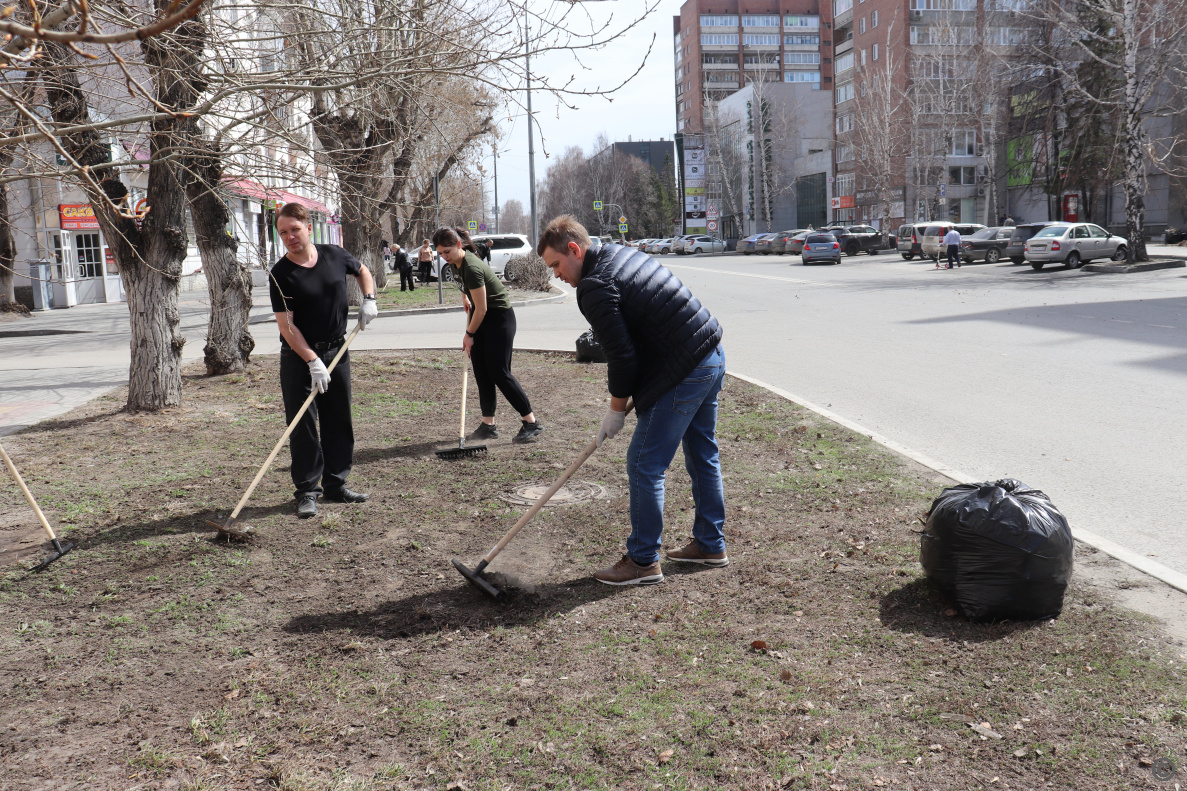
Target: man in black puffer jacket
column 663, row 349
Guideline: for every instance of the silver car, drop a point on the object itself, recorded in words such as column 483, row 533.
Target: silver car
column 659, row 246
column 932, row 242
column 1073, row 245
column 821, row 248
column 701, row 244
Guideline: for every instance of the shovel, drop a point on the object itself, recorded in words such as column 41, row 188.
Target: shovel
column 474, row 575
column 59, row 548
column 228, row 528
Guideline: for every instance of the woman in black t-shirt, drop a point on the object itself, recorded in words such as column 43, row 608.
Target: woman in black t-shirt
column 490, row 334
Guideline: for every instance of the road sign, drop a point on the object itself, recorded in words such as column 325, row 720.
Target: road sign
column 712, row 213
column 621, row 220
column 712, row 225
column 622, row 227
column 482, row 227
column 472, row 225
column 943, row 190
column 597, row 205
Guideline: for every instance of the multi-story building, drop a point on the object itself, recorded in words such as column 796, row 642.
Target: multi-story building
column 722, row 46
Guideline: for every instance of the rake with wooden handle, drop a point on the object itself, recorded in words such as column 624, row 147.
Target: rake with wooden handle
column 228, row 528
column 60, row 549
column 461, row 451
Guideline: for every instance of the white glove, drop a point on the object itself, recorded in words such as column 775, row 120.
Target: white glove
column 319, row 374
column 612, row 423
column 367, row 311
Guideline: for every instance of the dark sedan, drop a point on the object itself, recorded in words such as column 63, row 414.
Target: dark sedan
column 795, row 245
column 782, row 242
column 1016, row 249
column 987, row 244
column 746, row 246
column 763, row 243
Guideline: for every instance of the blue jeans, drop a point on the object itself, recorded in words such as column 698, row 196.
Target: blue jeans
column 687, row 413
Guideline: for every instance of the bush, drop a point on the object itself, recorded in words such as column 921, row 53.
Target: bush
column 529, row 272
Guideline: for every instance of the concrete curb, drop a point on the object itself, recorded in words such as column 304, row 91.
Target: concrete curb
column 1143, row 564
column 383, row 314
column 1146, row 266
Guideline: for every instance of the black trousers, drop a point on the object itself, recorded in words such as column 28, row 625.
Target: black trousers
column 426, row 269
column 406, row 279
column 327, row 458
column 491, row 357
column 953, row 255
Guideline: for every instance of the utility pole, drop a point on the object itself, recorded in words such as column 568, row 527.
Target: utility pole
column 531, row 144
column 437, row 258
column 495, row 148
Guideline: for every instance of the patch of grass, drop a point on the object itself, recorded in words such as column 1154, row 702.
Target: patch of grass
column 152, row 759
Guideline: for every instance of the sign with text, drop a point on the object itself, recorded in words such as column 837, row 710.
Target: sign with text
column 712, row 225
column 77, row 217
column 844, row 202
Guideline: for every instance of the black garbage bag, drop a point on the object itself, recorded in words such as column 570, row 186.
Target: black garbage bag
column 1001, row 550
column 588, row 348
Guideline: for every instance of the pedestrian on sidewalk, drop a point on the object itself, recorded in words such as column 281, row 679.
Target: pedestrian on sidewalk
column 308, row 291
column 425, row 260
column 387, row 255
column 402, row 265
column 952, row 243
column 490, row 335
column 663, row 349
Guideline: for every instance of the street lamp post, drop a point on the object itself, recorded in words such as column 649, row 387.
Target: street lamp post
column 437, row 221
column 496, row 153
column 531, row 141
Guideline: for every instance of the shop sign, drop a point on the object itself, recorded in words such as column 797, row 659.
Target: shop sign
column 843, row 202
column 77, row 217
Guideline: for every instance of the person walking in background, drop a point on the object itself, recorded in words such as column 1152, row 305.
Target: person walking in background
column 307, row 287
column 663, row 349
column 425, row 259
column 490, row 335
column 401, row 264
column 952, row 243
column 387, row 256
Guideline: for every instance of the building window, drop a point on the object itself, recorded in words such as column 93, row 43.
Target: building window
column 861, row 25
column 756, row 58
column 727, row 58
column 801, row 76
column 760, row 20
column 962, row 175
column 844, row 92
column 964, row 143
column 792, row 58
column 874, row 54
column 845, row 184
column 844, row 152
column 844, row 124
column 759, row 40
column 801, row 21
column 943, row 5
column 928, row 34
column 802, row 39
column 863, row 57
column 841, row 6
column 719, row 20
column 719, row 39
column 874, row 19
column 844, row 63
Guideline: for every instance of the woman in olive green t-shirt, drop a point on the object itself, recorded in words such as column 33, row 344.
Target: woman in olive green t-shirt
column 490, row 334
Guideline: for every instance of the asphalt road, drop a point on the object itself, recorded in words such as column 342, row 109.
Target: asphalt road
column 1069, row 381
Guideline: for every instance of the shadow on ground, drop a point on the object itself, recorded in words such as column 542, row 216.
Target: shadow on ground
column 919, row 608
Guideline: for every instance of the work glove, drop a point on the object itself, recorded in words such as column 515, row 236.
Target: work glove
column 367, row 311
column 612, row 423
column 319, row 374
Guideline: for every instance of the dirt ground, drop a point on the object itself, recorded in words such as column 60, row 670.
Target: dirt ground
column 344, row 652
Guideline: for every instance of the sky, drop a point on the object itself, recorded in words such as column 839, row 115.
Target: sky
column 645, row 109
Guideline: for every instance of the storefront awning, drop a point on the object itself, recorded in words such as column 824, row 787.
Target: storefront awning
column 251, row 189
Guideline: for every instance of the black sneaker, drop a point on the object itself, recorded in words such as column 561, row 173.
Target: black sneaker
column 307, row 505
column 485, row 431
column 528, row 432
column 345, row 495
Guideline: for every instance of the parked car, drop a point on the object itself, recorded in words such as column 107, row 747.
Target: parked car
column 908, row 238
column 1073, row 245
column 1016, row 248
column 746, row 246
column 782, row 239
column 856, row 239
column 702, row 244
column 932, row 242
column 763, row 245
column 638, row 244
column 678, row 243
column 987, row 244
column 795, row 245
column 660, row 246
column 503, row 247
column 821, row 247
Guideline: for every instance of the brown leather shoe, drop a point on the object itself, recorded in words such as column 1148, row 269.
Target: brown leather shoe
column 692, row 553
column 628, row 572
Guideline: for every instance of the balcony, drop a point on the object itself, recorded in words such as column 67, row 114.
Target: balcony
column 843, row 19
column 843, row 47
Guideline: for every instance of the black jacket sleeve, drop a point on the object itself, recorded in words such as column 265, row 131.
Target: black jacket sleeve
column 600, row 303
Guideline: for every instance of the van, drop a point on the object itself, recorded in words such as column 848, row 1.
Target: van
column 931, row 243
column 907, row 241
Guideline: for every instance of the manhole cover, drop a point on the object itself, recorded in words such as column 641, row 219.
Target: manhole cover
column 572, row 492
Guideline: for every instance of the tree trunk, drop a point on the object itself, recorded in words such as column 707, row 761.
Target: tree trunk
column 228, row 339
column 7, row 245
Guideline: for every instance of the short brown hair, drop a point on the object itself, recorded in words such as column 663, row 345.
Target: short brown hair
column 560, row 232
column 294, row 210
column 445, row 237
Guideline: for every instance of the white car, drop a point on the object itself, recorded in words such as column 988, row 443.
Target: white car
column 659, row 247
column 701, row 244
column 502, row 247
